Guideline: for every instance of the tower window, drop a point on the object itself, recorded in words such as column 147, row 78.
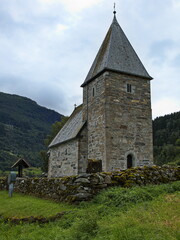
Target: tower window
column 93, row 92
column 129, row 88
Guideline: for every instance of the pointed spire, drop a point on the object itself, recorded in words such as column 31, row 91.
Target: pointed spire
column 114, row 12
column 114, row 9
column 116, row 54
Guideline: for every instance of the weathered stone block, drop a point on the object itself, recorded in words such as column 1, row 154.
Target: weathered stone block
column 82, row 181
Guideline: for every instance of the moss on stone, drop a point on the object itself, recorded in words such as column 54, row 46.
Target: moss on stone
column 72, row 192
column 129, row 183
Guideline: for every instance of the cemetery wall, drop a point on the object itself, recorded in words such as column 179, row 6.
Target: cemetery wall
column 83, row 187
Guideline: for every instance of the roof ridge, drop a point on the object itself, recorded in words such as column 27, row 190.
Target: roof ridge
column 116, row 53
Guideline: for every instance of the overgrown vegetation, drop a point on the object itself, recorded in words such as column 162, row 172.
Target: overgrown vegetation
column 23, row 126
column 150, row 212
column 166, row 138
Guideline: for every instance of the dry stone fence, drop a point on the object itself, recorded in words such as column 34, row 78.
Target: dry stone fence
column 83, row 187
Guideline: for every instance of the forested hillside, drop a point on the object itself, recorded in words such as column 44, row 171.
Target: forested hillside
column 23, row 127
column 166, row 137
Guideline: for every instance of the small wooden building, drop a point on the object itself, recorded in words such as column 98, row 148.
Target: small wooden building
column 21, row 163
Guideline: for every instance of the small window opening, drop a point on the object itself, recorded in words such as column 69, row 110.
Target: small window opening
column 93, row 92
column 129, row 161
column 66, row 152
column 129, row 88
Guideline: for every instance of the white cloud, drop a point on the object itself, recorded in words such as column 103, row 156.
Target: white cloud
column 165, row 106
column 50, row 44
column 176, row 4
column 60, row 28
column 73, row 5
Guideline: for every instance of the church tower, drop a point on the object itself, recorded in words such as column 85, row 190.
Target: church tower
column 117, row 105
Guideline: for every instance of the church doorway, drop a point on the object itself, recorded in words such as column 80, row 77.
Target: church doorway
column 129, row 161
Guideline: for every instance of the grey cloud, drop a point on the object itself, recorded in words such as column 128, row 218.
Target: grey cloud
column 51, row 97
column 27, row 16
column 49, row 66
column 45, row 94
column 11, row 82
column 159, row 49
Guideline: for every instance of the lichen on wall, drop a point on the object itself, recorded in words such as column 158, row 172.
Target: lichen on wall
column 83, row 187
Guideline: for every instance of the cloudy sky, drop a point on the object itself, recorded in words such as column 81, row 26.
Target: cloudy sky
column 48, row 46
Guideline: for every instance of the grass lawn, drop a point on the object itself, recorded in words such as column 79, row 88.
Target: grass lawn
column 25, row 206
column 139, row 213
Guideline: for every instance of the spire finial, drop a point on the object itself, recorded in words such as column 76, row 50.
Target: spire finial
column 114, row 9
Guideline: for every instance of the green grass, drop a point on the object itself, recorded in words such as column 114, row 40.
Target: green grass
column 139, row 213
column 154, row 220
column 20, row 206
column 30, row 172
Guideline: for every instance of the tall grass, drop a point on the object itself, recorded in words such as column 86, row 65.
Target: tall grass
column 156, row 220
column 124, row 197
column 139, row 213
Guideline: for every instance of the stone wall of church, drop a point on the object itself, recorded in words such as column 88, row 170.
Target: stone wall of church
column 83, row 152
column 63, row 159
column 94, row 114
column 128, row 121
column 119, row 122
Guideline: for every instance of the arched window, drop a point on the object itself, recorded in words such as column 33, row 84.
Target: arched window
column 129, row 161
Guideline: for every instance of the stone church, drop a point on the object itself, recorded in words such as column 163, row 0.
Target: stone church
column 114, row 123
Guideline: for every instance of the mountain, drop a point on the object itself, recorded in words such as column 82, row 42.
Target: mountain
column 166, row 138
column 23, row 127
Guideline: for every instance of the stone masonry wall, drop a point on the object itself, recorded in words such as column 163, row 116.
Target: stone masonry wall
column 82, row 163
column 94, row 114
column 128, row 121
column 130, row 113
column 83, row 187
column 119, row 123
column 63, row 159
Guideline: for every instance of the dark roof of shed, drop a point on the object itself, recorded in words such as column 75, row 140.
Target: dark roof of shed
column 71, row 129
column 22, row 162
column 116, row 54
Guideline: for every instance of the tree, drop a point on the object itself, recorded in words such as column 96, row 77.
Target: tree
column 56, row 127
column 177, row 142
column 166, row 139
